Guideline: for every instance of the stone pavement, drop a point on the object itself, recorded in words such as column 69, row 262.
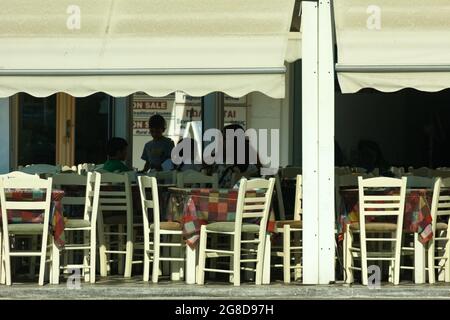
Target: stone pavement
column 118, row 288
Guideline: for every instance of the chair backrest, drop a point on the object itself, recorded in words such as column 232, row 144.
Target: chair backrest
column 41, row 169
column 342, row 170
column 420, row 182
column 25, row 184
column 84, row 168
column 290, row 172
column 256, row 207
column 440, row 206
column 439, row 173
column 92, row 198
column 165, row 177
column 68, row 182
column 192, row 177
column 298, row 211
column 18, row 174
column 421, row 172
column 390, row 204
column 115, row 193
column 44, row 170
column 398, row 171
column 145, row 184
column 69, row 169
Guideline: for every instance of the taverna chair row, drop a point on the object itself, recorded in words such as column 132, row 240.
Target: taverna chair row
column 391, row 206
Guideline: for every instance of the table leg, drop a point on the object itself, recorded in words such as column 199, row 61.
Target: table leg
column 419, row 260
column 191, row 265
column 266, row 263
column 55, row 263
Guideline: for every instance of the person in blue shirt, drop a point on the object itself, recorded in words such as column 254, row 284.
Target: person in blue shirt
column 157, row 151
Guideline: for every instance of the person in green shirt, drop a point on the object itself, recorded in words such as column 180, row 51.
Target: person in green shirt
column 117, row 153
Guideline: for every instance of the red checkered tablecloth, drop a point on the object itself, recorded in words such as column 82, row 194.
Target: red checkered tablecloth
column 416, row 219
column 195, row 207
column 29, row 216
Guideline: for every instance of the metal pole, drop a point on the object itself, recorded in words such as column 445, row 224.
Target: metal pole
column 391, row 68
column 140, row 71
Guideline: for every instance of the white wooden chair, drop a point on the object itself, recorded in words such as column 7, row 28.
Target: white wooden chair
column 291, row 231
column 165, row 177
column 440, row 244
column 398, row 171
column 18, row 174
column 84, row 168
column 191, row 178
column 385, row 206
column 85, row 225
column 33, row 229
column 41, row 169
column 156, row 229
column 115, row 210
column 421, row 172
column 247, row 208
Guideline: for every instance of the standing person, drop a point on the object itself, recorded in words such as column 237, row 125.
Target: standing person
column 159, row 150
column 117, row 154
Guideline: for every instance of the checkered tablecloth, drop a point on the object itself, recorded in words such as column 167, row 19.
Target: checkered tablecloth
column 29, row 216
column 417, row 215
column 195, row 207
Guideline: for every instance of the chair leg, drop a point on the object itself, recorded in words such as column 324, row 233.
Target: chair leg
column 156, row 255
column 7, row 259
column 121, row 246
column 129, row 250
column 298, row 256
column 102, row 245
column 348, row 257
column 202, row 256
column 42, row 264
column 237, row 261
column 55, row 263
column 286, row 253
column 447, row 261
column 260, row 260
column 146, row 267
column 431, row 270
column 398, row 249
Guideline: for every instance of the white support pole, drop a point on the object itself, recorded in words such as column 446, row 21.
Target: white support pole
column 310, row 145
column 326, row 145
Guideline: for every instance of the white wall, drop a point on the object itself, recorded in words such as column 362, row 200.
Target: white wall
column 4, row 135
column 267, row 113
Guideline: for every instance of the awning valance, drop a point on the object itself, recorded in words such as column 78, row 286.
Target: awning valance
column 154, row 46
column 390, row 45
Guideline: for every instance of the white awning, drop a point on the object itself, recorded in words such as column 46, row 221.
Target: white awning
column 154, row 46
column 390, row 45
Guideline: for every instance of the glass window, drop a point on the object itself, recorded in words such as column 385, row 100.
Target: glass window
column 92, row 128
column 36, row 130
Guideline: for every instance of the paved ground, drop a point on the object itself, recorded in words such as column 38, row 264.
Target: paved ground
column 117, row 288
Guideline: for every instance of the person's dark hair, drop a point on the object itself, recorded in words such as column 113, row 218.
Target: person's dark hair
column 157, row 121
column 115, row 145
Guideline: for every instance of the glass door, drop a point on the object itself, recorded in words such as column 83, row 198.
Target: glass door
column 36, row 130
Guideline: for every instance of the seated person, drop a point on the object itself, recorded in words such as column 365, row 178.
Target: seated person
column 228, row 170
column 117, row 154
column 157, row 151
